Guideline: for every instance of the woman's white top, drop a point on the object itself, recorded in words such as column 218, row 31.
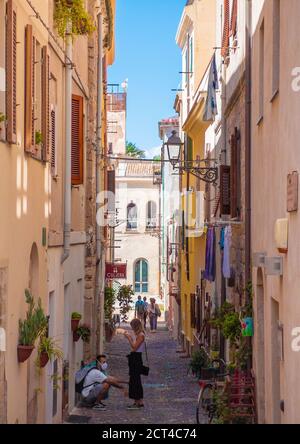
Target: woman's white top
column 141, row 348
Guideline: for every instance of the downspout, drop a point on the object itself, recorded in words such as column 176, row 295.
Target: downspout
column 248, row 107
column 99, row 300
column 68, row 150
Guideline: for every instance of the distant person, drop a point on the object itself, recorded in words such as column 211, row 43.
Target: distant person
column 97, row 385
column 146, row 305
column 135, row 362
column 139, row 309
column 154, row 313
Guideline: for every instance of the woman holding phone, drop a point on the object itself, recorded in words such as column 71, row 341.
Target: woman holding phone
column 135, row 362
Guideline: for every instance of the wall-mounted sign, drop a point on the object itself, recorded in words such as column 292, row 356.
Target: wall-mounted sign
column 292, row 192
column 115, row 271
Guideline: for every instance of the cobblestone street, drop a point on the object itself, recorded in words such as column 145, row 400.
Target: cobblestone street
column 170, row 393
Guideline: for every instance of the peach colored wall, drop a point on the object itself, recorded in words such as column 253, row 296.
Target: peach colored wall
column 275, row 154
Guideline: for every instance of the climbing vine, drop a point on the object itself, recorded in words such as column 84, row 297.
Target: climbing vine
column 72, row 11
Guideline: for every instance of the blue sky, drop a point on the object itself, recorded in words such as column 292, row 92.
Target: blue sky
column 147, row 55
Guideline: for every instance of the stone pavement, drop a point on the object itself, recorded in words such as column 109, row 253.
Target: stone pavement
column 170, row 394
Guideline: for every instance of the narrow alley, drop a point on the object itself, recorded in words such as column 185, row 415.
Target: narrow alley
column 170, row 392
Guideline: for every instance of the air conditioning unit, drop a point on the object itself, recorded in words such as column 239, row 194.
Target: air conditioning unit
column 274, row 266
column 258, row 259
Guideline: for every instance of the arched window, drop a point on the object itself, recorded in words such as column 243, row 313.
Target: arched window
column 141, row 276
column 151, row 215
column 131, row 216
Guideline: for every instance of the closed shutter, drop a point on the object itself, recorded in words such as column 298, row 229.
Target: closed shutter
column 77, row 140
column 45, row 105
column 225, row 40
column 11, row 72
column 193, row 311
column 111, row 188
column 29, row 89
column 235, row 175
column 53, row 142
column 233, row 24
column 225, row 189
column 187, row 257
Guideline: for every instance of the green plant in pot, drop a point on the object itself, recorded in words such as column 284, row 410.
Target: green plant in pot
column 84, row 332
column 33, row 326
column 48, row 350
column 38, row 138
column 2, row 119
column 125, row 300
column 75, row 319
column 199, row 360
column 109, row 303
column 74, row 12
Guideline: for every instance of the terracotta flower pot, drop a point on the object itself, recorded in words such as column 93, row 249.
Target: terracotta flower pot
column 44, row 359
column 76, row 336
column 74, row 324
column 24, row 351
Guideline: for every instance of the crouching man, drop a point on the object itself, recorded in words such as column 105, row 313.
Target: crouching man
column 96, row 387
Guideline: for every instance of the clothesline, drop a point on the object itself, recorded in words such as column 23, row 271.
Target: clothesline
column 222, row 223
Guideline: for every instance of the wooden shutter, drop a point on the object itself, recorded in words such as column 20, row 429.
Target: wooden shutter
column 29, row 89
column 187, row 257
column 235, row 175
column 11, row 72
column 233, row 24
column 111, row 188
column 225, row 40
column 225, row 189
column 53, row 142
column 45, row 105
column 193, row 311
column 77, row 140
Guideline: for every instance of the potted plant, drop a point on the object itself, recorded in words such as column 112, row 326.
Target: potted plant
column 30, row 328
column 84, row 332
column 72, row 11
column 199, row 360
column 75, row 319
column 2, row 119
column 38, row 137
column 48, row 350
column 109, row 302
column 125, row 300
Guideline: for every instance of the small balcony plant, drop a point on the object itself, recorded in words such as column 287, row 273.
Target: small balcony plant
column 31, row 328
column 72, row 11
column 84, row 332
column 48, row 350
column 75, row 319
column 2, row 119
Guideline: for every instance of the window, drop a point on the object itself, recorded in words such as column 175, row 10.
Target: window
column 261, row 71
column 77, row 140
column 151, row 215
column 141, row 276
column 226, row 30
column 53, row 142
column 131, row 216
column 235, row 175
column 191, row 68
column 276, row 48
column 11, row 72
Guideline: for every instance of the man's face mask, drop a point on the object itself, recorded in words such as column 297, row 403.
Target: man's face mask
column 104, row 366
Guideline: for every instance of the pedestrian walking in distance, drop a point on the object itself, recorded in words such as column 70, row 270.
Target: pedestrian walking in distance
column 135, row 362
column 146, row 305
column 154, row 313
column 139, row 309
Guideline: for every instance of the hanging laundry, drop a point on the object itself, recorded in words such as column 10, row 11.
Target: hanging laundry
column 226, row 254
column 210, row 258
column 222, row 239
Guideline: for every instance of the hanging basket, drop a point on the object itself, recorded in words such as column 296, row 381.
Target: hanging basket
column 44, row 359
column 24, row 352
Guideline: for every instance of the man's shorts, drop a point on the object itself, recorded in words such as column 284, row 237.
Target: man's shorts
column 94, row 394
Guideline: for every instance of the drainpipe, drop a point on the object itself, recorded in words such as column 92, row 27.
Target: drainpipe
column 99, row 300
column 68, row 128
column 248, row 56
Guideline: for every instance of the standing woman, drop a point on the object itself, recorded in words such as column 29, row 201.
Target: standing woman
column 135, row 363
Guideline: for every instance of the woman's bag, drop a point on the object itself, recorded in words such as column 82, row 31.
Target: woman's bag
column 145, row 369
column 157, row 311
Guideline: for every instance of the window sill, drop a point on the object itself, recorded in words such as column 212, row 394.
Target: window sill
column 275, row 94
column 260, row 120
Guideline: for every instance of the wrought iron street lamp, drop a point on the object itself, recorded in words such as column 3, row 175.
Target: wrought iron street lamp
column 206, row 173
column 174, row 146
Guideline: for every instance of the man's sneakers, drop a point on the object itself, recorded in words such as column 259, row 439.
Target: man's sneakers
column 99, row 407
